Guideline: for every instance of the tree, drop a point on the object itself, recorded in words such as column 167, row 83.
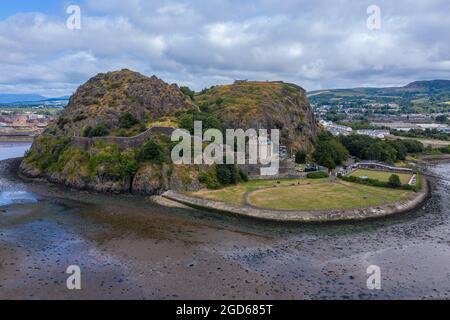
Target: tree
column 400, row 147
column 327, row 162
column 300, row 157
column 394, row 181
column 329, row 151
column 413, row 146
column 381, row 151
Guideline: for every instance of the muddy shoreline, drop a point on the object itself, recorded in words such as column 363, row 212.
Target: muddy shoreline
column 128, row 247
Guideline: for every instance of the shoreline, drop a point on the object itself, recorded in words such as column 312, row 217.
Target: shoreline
column 16, row 139
column 172, row 198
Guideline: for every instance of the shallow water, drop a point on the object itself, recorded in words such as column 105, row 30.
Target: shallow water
column 13, row 149
column 128, row 247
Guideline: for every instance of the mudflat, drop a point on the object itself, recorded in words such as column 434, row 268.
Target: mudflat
column 129, row 247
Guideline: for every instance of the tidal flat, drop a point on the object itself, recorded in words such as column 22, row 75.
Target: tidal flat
column 128, row 247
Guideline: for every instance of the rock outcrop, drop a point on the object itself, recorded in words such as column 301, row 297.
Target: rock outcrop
column 264, row 105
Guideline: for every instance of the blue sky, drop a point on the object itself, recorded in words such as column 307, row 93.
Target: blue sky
column 315, row 44
column 8, row 7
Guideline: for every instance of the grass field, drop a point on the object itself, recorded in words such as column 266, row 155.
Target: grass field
column 380, row 175
column 304, row 194
column 324, row 196
column 235, row 194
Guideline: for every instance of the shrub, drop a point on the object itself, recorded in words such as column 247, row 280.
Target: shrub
column 394, row 181
column 100, row 130
column 243, row 176
column 127, row 120
column 188, row 92
column 115, row 164
column 151, row 151
column 209, row 179
column 87, row 131
column 61, row 122
column 300, row 157
column 208, row 121
column 317, row 175
column 227, row 174
column 377, row 183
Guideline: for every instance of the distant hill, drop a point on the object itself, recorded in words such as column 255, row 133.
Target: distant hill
column 432, row 92
column 12, row 98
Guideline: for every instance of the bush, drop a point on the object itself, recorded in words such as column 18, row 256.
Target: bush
column 317, row 175
column 151, row 151
column 127, row 120
column 99, row 131
column 208, row 121
column 377, row 183
column 226, row 174
column 300, row 157
column 243, row 176
column 115, row 164
column 87, row 131
column 188, row 92
column 209, row 179
column 394, row 181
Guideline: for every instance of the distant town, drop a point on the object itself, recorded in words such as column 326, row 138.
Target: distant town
column 23, row 121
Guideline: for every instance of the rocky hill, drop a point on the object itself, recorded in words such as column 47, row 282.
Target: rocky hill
column 107, row 96
column 264, row 105
column 104, row 140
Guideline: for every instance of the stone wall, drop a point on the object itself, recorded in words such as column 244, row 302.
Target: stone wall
column 123, row 143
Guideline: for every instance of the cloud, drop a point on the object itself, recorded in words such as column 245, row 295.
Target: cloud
column 318, row 44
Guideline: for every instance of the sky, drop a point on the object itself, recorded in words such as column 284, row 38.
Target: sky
column 315, row 44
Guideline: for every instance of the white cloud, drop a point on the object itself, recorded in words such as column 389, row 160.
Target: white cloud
column 314, row 44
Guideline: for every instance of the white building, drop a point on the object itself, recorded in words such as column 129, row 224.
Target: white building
column 381, row 134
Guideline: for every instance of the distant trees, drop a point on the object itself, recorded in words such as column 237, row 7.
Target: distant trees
column 441, row 118
column 364, row 147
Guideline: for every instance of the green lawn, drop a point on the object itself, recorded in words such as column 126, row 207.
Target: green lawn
column 304, row 194
column 235, row 194
column 325, row 196
column 380, row 175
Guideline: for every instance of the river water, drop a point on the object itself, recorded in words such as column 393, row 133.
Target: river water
column 130, row 248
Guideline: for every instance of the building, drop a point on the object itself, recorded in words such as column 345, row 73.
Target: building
column 381, row 134
column 335, row 129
